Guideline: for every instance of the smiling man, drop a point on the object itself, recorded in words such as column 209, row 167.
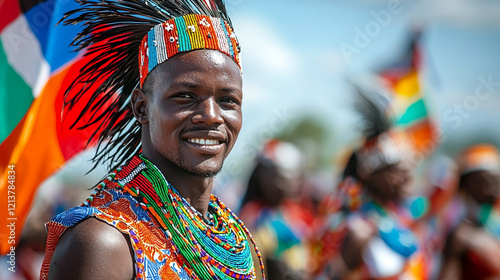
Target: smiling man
column 154, row 217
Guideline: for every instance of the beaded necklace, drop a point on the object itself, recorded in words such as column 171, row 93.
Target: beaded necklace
column 398, row 237
column 213, row 249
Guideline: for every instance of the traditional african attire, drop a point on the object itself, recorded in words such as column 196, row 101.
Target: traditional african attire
column 139, row 202
column 280, row 227
column 281, row 232
column 472, row 265
column 476, row 158
column 395, row 251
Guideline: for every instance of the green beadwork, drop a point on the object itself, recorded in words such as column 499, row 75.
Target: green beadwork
column 218, row 251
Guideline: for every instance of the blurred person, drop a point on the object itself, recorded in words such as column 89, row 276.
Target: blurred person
column 175, row 68
column 31, row 248
column 273, row 211
column 472, row 249
column 442, row 183
column 368, row 231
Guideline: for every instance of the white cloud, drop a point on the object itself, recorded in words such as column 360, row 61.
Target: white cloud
column 332, row 61
column 254, row 94
column 461, row 11
column 264, row 48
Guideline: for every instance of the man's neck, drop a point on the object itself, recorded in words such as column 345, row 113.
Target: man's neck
column 195, row 189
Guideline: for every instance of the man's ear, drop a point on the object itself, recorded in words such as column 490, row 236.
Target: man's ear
column 139, row 108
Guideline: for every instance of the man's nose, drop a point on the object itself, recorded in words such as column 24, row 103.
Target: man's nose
column 208, row 112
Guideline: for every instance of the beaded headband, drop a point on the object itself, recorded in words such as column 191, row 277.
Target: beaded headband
column 388, row 148
column 183, row 34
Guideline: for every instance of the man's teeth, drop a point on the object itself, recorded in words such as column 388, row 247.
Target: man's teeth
column 204, row 141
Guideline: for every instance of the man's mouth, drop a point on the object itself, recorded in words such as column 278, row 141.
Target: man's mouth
column 203, row 141
column 208, row 142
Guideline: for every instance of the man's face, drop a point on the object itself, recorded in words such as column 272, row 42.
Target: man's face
column 482, row 186
column 276, row 184
column 390, row 182
column 193, row 104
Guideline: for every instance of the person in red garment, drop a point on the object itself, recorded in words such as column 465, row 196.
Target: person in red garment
column 174, row 66
column 472, row 249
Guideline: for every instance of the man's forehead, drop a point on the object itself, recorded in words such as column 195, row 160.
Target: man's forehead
column 197, row 69
column 197, row 61
column 200, row 59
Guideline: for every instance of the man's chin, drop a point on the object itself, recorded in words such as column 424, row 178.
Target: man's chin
column 205, row 172
column 209, row 175
column 205, row 168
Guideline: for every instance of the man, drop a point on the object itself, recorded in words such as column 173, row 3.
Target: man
column 366, row 232
column 154, row 217
column 274, row 210
column 472, row 247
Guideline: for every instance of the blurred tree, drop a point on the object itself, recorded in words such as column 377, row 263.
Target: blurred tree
column 311, row 135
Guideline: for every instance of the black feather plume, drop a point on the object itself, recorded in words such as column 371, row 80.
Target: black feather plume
column 111, row 35
column 373, row 104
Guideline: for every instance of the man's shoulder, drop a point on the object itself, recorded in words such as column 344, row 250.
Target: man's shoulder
column 92, row 248
column 92, row 234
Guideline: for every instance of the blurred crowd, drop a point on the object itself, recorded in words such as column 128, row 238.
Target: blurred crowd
column 399, row 210
column 377, row 224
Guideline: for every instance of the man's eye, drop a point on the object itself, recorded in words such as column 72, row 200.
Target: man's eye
column 183, row 95
column 230, row 100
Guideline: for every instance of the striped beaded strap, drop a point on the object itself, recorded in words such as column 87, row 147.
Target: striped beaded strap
column 183, row 34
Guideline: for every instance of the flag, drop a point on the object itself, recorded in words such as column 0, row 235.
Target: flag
column 36, row 66
column 410, row 108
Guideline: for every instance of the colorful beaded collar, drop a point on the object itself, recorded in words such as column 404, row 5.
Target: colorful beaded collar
column 215, row 247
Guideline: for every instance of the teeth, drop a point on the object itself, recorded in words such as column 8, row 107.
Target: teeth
column 204, row 141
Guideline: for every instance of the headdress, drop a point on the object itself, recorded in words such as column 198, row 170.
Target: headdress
column 285, row 156
column 127, row 39
column 384, row 144
column 481, row 157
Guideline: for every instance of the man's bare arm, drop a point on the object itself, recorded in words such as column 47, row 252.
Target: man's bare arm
column 92, row 249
